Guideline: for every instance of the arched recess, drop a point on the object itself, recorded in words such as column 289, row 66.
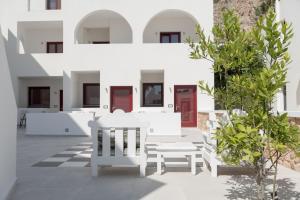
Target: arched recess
column 170, row 21
column 101, row 27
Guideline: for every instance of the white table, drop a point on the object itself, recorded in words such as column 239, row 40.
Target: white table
column 177, row 149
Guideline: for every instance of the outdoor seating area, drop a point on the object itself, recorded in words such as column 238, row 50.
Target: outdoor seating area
column 121, row 139
column 72, row 179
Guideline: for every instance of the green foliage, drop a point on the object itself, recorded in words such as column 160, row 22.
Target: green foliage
column 252, row 67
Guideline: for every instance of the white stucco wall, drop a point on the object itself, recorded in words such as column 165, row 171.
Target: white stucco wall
column 78, row 79
column 36, row 5
column 114, row 28
column 119, row 63
column 185, row 25
column 289, row 11
column 96, row 35
column 35, row 40
column 7, row 126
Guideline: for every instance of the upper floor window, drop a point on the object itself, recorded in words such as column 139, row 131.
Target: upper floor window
column 53, row 4
column 39, row 97
column 153, row 95
column 170, row 37
column 54, row 47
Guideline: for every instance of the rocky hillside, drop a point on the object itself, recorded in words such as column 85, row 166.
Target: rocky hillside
column 249, row 10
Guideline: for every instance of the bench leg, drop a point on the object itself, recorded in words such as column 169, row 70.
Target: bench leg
column 143, row 165
column 189, row 159
column 94, row 169
column 142, row 170
column 159, row 159
column 193, row 163
column 214, row 168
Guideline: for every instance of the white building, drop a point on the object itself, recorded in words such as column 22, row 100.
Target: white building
column 102, row 55
column 71, row 55
column 289, row 11
column 8, row 119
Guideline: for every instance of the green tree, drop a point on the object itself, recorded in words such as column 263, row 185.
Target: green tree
column 252, row 68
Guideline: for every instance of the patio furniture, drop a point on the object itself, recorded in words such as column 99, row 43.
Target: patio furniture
column 210, row 145
column 111, row 132
column 179, row 149
column 22, row 121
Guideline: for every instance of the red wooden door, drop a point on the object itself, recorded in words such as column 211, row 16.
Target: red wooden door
column 61, row 100
column 185, row 100
column 121, row 98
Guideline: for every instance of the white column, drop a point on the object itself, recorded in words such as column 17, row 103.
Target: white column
column 67, row 89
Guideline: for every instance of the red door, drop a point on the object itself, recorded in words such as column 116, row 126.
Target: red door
column 61, row 100
column 121, row 98
column 185, row 97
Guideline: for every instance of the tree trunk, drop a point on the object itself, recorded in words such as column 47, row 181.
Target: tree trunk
column 275, row 179
column 260, row 169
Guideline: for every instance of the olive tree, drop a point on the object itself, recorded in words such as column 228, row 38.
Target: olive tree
column 250, row 68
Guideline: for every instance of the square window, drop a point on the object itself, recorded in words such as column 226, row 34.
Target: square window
column 91, row 95
column 54, row 47
column 53, row 4
column 39, row 97
column 153, row 95
column 170, row 37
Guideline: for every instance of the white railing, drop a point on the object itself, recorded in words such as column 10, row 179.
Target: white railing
column 210, row 145
column 118, row 140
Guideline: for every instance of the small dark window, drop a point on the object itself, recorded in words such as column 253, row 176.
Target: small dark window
column 39, row 97
column 170, row 37
column 91, row 95
column 53, row 4
column 101, row 42
column 153, row 95
column 55, row 47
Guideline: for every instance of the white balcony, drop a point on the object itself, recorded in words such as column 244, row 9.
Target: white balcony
column 163, row 25
column 102, row 27
column 33, row 37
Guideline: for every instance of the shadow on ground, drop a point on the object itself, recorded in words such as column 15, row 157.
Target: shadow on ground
column 244, row 187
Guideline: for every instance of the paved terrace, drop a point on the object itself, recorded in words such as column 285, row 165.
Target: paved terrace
column 76, row 183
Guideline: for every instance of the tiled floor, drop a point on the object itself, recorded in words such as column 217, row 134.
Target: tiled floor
column 75, row 156
column 76, row 183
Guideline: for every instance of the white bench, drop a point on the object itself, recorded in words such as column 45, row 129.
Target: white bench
column 124, row 128
column 179, row 149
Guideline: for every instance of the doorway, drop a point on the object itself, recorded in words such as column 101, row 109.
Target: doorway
column 121, row 98
column 185, row 101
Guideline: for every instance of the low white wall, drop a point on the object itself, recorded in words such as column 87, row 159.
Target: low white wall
column 62, row 123
column 7, row 125
column 293, row 113
column 76, row 122
column 22, row 111
column 161, row 123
